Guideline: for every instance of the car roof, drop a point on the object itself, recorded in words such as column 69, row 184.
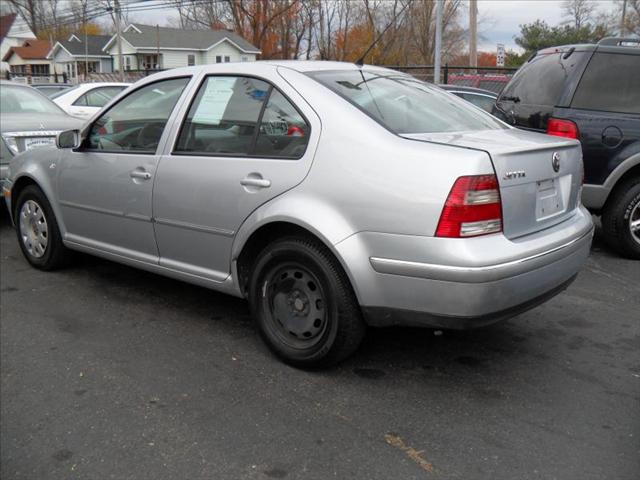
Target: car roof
column 608, row 44
column 297, row 65
column 462, row 88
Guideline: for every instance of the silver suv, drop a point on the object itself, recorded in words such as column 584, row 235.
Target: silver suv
column 331, row 196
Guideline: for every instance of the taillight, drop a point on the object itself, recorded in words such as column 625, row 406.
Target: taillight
column 472, row 208
column 562, row 128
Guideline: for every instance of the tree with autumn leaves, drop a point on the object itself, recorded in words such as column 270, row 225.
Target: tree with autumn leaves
column 333, row 29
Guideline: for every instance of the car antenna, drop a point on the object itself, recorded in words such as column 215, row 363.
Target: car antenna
column 360, row 60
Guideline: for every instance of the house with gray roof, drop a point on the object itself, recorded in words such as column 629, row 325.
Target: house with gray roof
column 80, row 54
column 147, row 47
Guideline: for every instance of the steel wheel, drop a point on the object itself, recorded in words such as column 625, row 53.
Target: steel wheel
column 634, row 223
column 34, row 231
column 295, row 305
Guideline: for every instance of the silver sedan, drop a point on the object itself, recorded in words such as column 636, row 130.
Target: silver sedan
column 331, row 196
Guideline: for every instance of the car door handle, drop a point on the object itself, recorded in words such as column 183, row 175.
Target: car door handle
column 255, row 182
column 141, row 174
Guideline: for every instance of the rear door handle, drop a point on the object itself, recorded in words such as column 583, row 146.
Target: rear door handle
column 141, row 174
column 255, row 182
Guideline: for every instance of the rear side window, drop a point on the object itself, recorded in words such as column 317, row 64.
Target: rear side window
column 610, row 83
column 542, row 80
column 225, row 116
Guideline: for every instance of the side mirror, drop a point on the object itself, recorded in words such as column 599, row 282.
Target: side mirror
column 68, row 139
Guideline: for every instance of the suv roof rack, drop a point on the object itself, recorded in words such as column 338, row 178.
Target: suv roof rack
column 620, row 42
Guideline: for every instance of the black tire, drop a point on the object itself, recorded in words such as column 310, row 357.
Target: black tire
column 624, row 202
column 54, row 255
column 326, row 316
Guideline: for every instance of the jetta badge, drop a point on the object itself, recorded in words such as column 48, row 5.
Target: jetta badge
column 555, row 161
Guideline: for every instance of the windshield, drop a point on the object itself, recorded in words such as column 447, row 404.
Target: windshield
column 62, row 92
column 405, row 105
column 25, row 100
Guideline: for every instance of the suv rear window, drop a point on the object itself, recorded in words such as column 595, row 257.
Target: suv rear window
column 610, row 83
column 542, row 80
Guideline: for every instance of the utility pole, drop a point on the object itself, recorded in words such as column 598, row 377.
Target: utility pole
column 86, row 46
column 119, row 34
column 473, row 33
column 622, row 20
column 437, row 55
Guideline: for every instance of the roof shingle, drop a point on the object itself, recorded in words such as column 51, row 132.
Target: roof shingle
column 6, row 21
column 30, row 50
column 150, row 36
column 95, row 43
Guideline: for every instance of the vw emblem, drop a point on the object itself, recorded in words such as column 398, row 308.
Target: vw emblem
column 555, row 161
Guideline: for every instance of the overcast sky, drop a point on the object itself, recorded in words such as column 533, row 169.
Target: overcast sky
column 500, row 19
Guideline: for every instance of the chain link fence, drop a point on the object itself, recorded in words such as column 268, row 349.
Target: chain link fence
column 493, row 79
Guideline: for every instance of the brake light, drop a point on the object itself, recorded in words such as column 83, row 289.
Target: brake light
column 562, row 128
column 473, row 208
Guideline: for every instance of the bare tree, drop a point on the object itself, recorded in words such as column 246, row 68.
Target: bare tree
column 578, row 12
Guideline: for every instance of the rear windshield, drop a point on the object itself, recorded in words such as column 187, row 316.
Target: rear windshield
column 542, row 80
column 25, row 100
column 405, row 105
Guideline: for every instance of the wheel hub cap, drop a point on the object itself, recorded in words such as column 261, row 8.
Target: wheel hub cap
column 34, row 231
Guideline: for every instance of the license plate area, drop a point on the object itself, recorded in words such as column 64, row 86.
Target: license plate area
column 550, row 198
column 38, row 142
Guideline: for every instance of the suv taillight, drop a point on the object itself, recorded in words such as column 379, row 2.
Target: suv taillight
column 562, row 128
column 472, row 208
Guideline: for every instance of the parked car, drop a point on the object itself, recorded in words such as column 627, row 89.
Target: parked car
column 85, row 100
column 50, row 89
column 483, row 99
column 592, row 93
column 494, row 82
column 330, row 196
column 28, row 120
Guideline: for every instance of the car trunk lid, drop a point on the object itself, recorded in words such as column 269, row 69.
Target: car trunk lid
column 540, row 176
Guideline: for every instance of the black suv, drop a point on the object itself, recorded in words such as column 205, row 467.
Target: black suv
column 592, row 93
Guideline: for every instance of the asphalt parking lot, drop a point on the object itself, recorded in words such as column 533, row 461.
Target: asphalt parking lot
column 110, row 372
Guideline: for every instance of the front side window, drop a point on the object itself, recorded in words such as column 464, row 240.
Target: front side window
column 224, row 118
column 610, row 83
column 405, row 105
column 135, row 124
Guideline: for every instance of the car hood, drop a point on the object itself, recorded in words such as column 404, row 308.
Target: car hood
column 20, row 122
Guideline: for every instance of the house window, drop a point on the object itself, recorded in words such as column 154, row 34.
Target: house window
column 127, row 63
column 71, row 72
column 151, row 62
column 40, row 69
column 191, row 60
column 94, row 67
column 245, row 59
column 227, row 59
column 218, row 58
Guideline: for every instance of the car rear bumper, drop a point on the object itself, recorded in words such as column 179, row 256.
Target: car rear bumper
column 461, row 283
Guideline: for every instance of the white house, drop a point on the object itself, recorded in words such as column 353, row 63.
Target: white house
column 79, row 53
column 13, row 32
column 146, row 47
